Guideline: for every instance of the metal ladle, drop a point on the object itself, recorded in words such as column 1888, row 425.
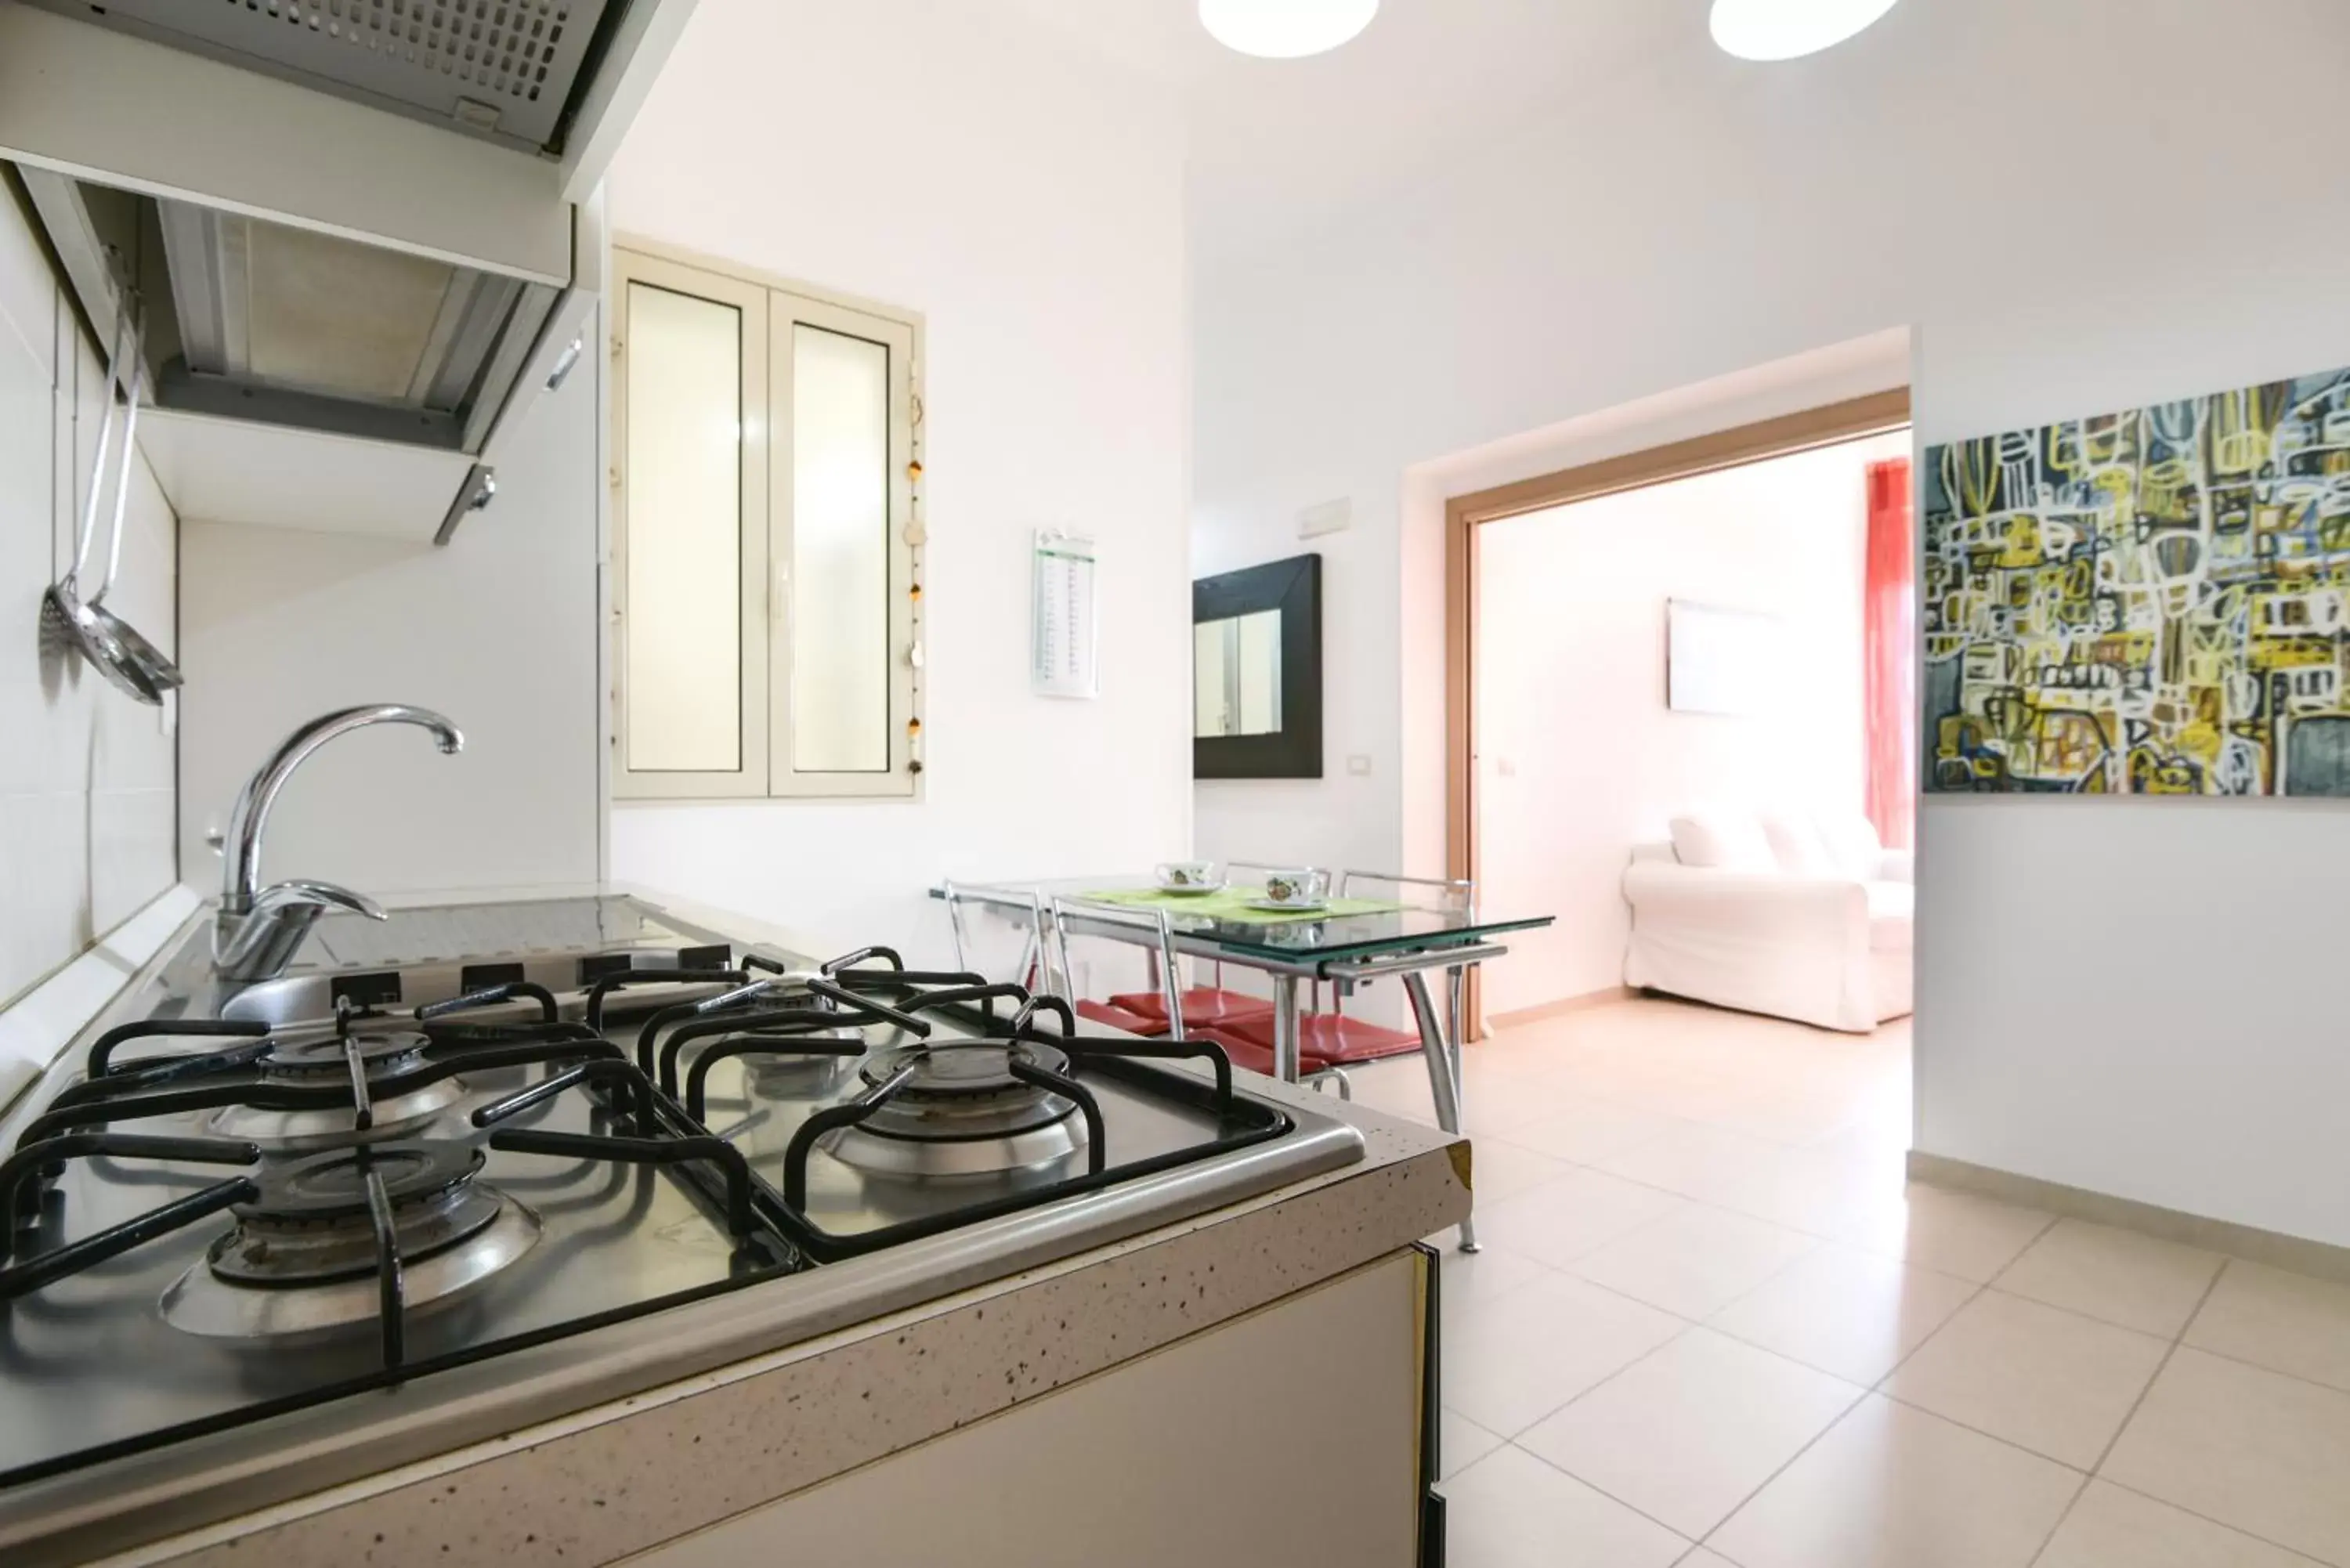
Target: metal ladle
column 135, row 666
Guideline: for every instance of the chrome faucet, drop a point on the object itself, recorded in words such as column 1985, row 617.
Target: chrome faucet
column 259, row 928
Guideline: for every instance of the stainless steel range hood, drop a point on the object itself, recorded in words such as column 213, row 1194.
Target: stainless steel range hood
column 363, row 233
column 507, row 70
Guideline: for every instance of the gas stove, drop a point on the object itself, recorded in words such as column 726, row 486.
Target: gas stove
column 245, row 1209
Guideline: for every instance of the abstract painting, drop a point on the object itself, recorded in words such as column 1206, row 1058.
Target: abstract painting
column 2155, row 602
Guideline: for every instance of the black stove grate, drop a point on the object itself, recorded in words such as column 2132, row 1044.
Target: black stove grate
column 972, row 1003
column 647, row 1106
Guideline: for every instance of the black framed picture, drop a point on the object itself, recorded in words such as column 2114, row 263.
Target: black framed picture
column 1256, row 672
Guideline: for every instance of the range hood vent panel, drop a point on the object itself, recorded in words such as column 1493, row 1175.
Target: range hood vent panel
column 505, row 70
column 265, row 307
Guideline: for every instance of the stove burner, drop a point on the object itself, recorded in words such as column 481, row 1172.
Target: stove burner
column 304, row 1257
column 314, row 1052
column 315, row 1056
column 965, row 1069
column 963, row 1112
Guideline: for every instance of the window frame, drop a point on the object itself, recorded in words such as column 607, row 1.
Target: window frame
column 770, row 309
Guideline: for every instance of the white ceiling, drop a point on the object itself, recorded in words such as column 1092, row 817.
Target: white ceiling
column 1277, row 143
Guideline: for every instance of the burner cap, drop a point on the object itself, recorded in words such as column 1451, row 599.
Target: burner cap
column 303, row 1262
column 963, row 1112
column 965, row 1069
column 315, row 1055
column 311, row 1223
column 334, row 1185
column 314, row 1051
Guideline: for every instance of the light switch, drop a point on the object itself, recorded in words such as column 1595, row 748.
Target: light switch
column 1359, row 765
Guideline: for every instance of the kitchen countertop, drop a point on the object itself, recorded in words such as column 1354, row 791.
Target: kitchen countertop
column 597, row 1484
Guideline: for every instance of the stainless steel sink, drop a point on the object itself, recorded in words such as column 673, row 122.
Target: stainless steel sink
column 421, row 956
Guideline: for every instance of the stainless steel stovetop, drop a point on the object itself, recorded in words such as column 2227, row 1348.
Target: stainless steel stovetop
column 608, row 1129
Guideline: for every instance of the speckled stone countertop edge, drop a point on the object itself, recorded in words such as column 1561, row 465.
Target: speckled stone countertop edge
column 593, row 1486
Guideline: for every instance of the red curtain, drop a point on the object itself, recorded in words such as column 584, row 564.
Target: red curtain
column 1892, row 653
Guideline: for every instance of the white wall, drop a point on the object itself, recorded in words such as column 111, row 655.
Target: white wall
column 85, row 773
column 1029, row 203
column 498, row 630
column 2062, row 198
column 1580, row 756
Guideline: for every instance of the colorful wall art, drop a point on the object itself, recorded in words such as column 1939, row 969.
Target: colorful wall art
column 2155, row 602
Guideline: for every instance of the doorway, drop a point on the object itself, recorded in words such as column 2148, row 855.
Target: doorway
column 1613, row 517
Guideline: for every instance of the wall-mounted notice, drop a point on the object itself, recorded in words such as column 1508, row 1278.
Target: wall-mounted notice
column 1721, row 661
column 1065, row 645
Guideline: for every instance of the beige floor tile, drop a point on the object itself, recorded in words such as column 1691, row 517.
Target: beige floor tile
column 2120, row 1276
column 2111, row 1528
column 2265, row 1453
column 1702, row 1162
column 1510, row 1510
column 1472, row 1278
column 1497, row 1102
column 1825, row 1192
column 1688, row 1433
column 1464, row 1442
column 1510, row 1361
column 1502, row 1170
column 1890, row 1487
column 1692, row 1093
column 1796, row 1120
column 1701, row 1558
column 1954, row 1233
column 1578, row 1212
column 1847, row 1311
column 1590, row 1129
column 1695, row 1260
column 2283, row 1322
column 2041, row 1377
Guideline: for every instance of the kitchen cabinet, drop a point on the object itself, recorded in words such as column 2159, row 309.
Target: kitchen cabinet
column 1290, row 1434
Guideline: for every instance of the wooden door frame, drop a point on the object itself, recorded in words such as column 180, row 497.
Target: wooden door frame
column 1830, row 425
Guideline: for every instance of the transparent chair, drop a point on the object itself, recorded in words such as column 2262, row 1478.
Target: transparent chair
column 1209, row 1006
column 1332, row 1038
column 1152, row 931
column 999, row 940
column 1128, row 937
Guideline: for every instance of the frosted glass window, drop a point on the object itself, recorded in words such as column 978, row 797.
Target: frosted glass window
column 840, row 553
column 684, row 599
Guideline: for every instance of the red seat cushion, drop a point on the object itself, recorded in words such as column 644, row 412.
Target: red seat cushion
column 1116, row 1017
column 1328, row 1037
column 1203, row 1006
column 1245, row 1053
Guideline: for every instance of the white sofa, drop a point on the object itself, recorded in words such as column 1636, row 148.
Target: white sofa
column 1801, row 918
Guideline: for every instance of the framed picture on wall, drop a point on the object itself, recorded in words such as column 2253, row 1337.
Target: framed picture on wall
column 1729, row 662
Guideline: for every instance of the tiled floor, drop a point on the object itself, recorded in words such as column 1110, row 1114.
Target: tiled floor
column 1712, row 1325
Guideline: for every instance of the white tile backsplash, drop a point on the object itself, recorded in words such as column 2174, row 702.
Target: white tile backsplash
column 87, row 777
column 27, row 293
column 25, row 458
column 132, row 853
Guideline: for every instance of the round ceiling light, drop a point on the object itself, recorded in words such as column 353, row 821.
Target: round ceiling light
column 1786, row 30
column 1285, row 30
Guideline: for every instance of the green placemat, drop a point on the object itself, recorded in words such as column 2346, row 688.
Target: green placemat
column 1232, row 903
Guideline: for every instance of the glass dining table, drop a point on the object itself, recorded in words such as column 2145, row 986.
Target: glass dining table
column 1351, row 943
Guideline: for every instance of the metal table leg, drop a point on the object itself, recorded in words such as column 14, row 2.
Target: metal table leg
column 1442, row 1080
column 1456, row 1030
column 1284, row 1027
